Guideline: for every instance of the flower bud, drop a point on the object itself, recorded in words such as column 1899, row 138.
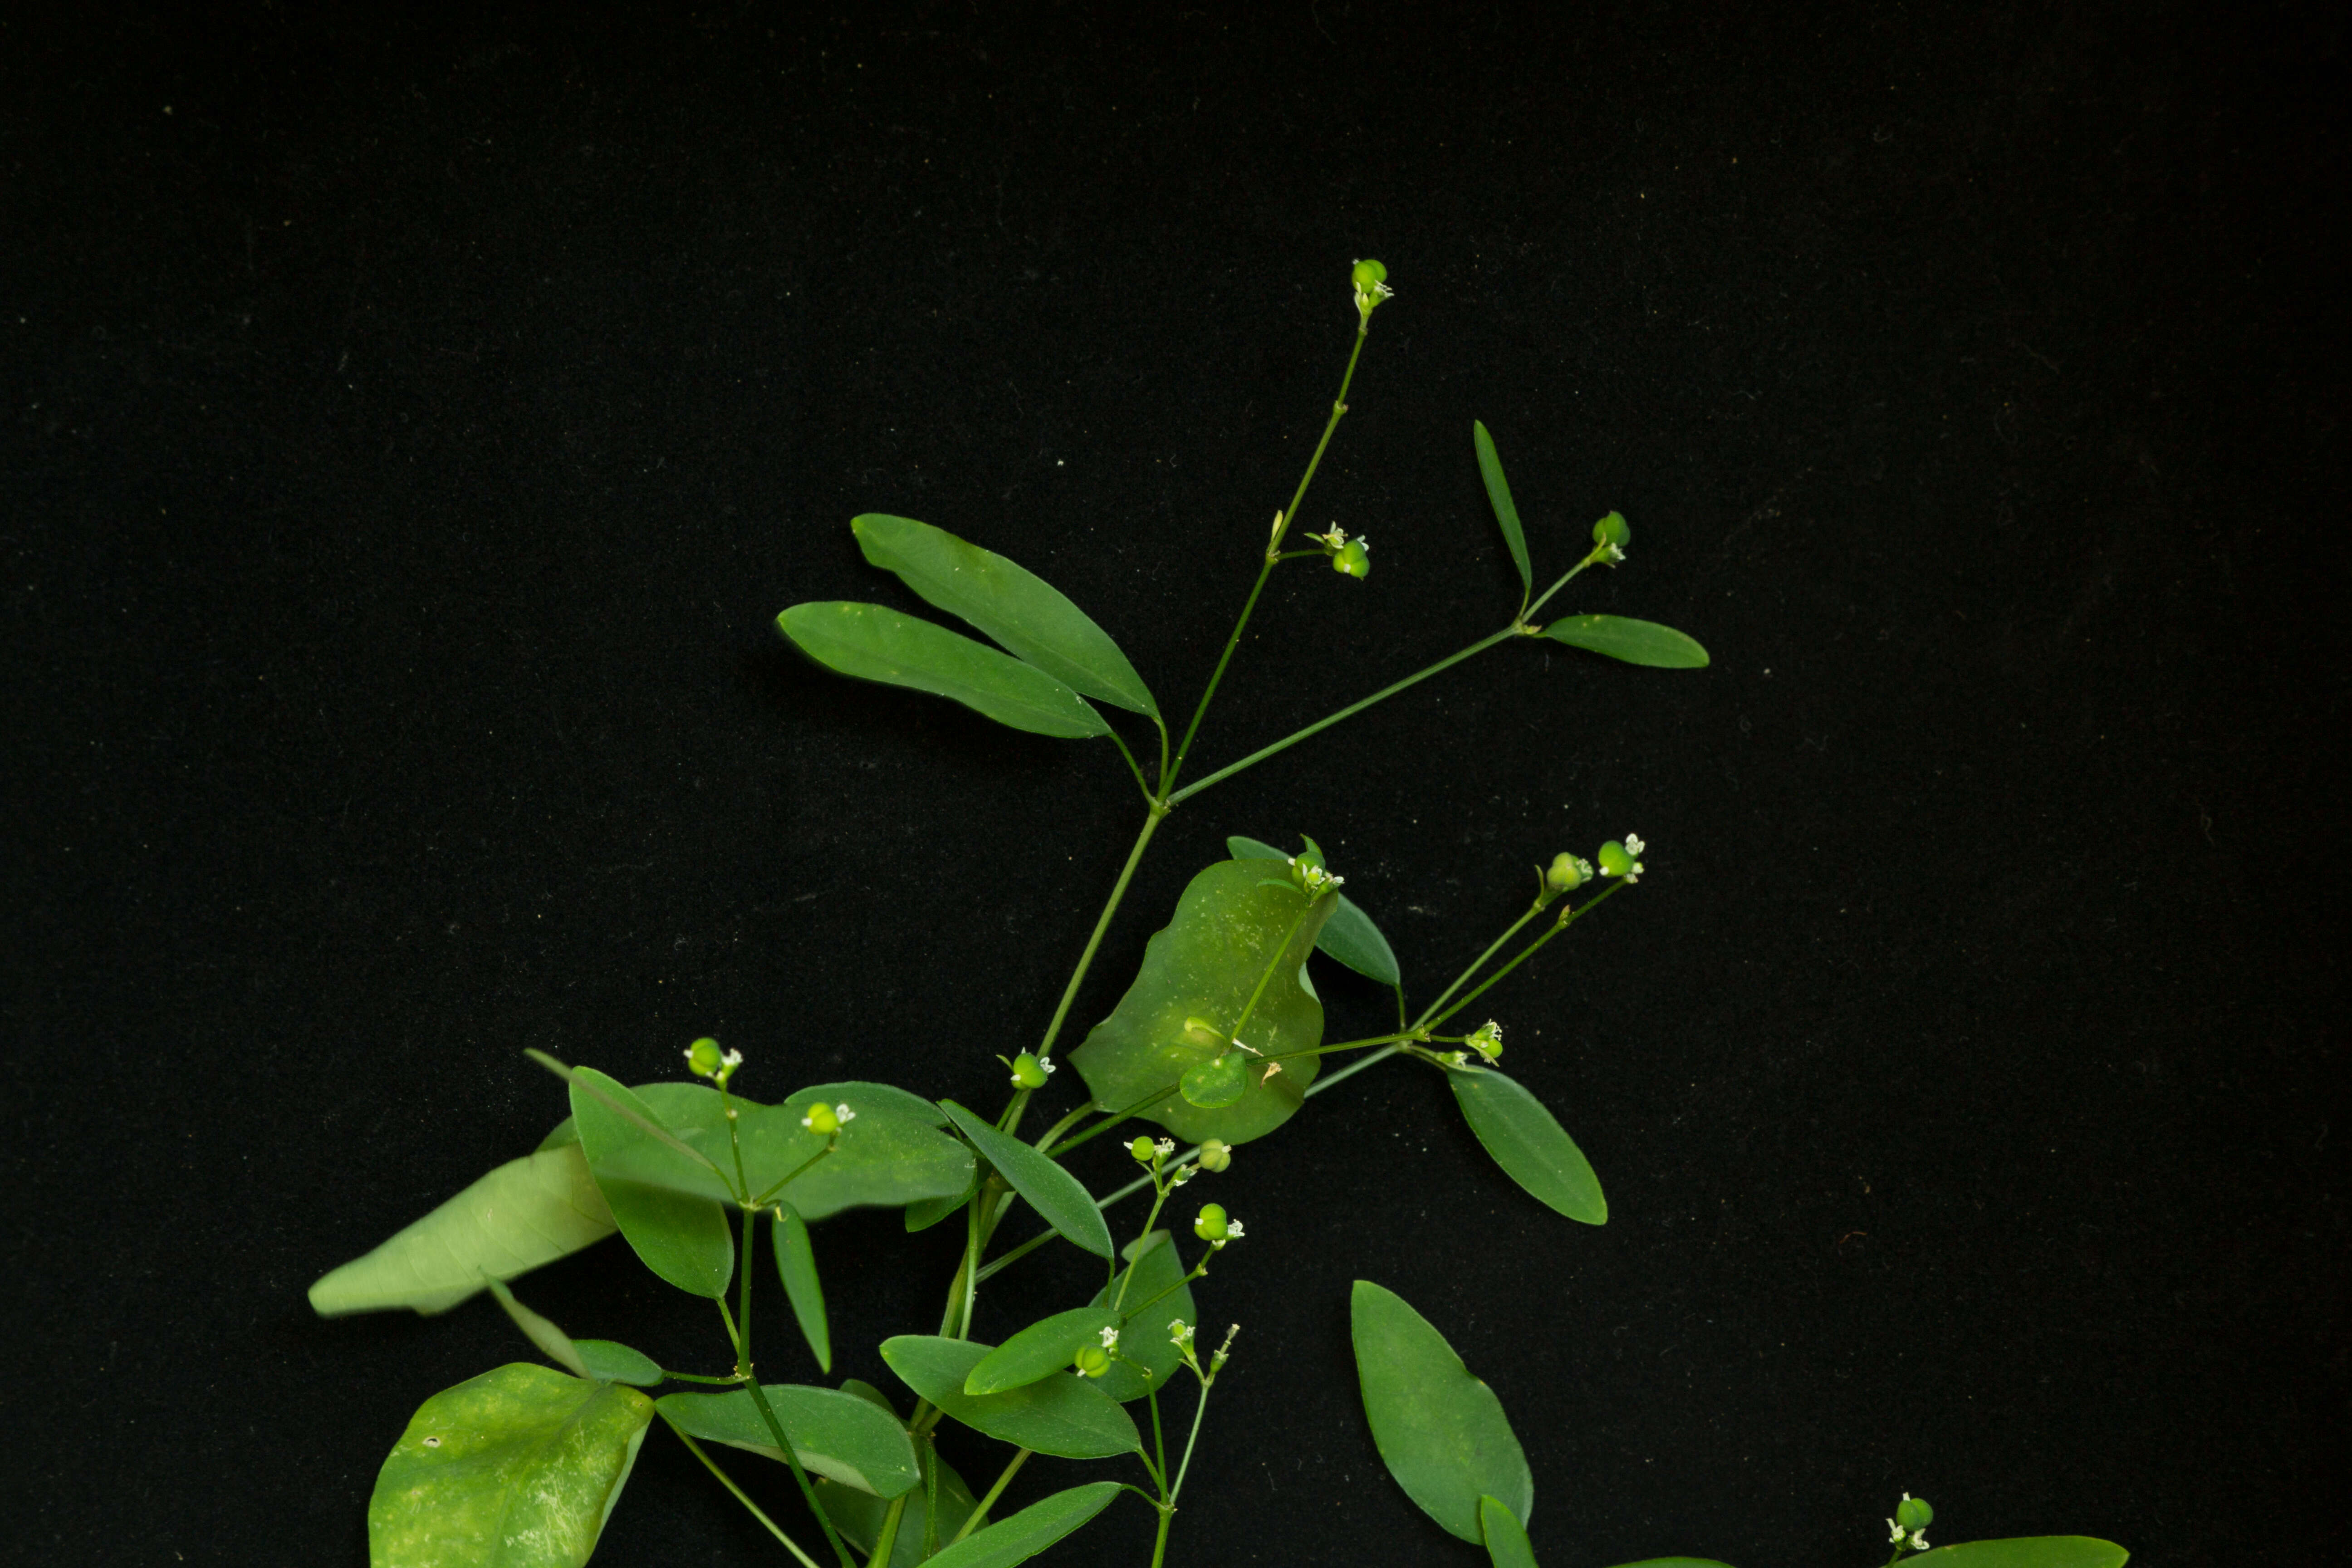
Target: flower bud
column 1353, row 559
column 1615, row 860
column 1614, row 529
column 1913, row 1513
column 1142, row 1150
column 702, row 1057
column 1487, row 1041
column 1028, row 1072
column 1092, row 1361
column 1212, row 1225
column 828, row 1120
column 1216, row 1154
column 1567, row 873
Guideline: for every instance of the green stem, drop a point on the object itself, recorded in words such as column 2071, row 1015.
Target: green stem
column 1160, row 1541
column 1198, row 1411
column 1119, row 890
column 886, row 1541
column 1132, row 765
column 1111, row 1119
column 798, row 1172
column 1063, row 1125
column 1271, row 964
column 728, row 1482
column 743, row 1337
column 1568, row 918
column 1128, row 1277
column 1026, row 1248
column 1597, row 553
column 1476, row 965
column 1158, row 1444
column 1382, row 695
column 980, row 1512
column 1351, row 1070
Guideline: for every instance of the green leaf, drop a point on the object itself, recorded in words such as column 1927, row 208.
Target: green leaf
column 2027, row 1551
column 835, row 1433
column 930, row 1211
column 617, row 1363
column 858, row 1515
column 875, row 643
column 1498, row 495
column 1348, row 936
column 1635, row 642
column 525, row 1213
column 1056, row 1195
column 1220, row 1081
column 684, row 1239
column 552, row 1341
column 1507, row 1537
column 1528, row 1143
column 516, row 1469
column 1030, row 1531
column 796, row 1265
column 867, row 1097
column 1676, row 1562
column 1440, row 1431
column 1040, row 1350
column 1154, row 1293
column 1204, row 965
column 1020, row 610
column 1062, row 1415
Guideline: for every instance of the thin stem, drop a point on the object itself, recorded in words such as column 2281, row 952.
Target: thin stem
column 1128, row 1277
column 1132, row 765
column 1563, row 581
column 1160, row 1541
column 1159, row 1443
column 1476, row 965
column 727, row 1382
column 1024, row 1250
column 726, row 1105
column 1198, row 1411
column 1119, row 890
column 1382, row 695
column 1351, row 1070
column 1567, row 920
column 886, row 1541
column 1271, row 964
column 1062, row 1126
column 979, row 1510
column 798, row 1172
column 742, row 1336
column 728, row 1482
column 1111, row 1119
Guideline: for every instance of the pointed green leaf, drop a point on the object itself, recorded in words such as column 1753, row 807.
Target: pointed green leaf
column 1030, row 1531
column 1635, row 642
column 1218, row 1082
column 872, row 642
column 1149, row 1293
column 858, row 1515
column 1440, row 1431
column 796, row 1265
column 836, row 1434
column 1020, row 610
column 1204, row 965
column 930, row 1211
column 1528, row 1142
column 1062, row 1415
column 1676, row 1562
column 1350, row 937
column 617, row 1363
column 552, row 1341
column 1057, row 1197
column 1507, row 1537
column 1498, row 495
column 868, row 1097
column 2027, row 1551
column 684, row 1239
column 516, row 1469
column 1040, row 1350
column 525, row 1213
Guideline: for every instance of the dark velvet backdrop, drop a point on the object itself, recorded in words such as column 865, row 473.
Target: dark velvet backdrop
column 413, row 430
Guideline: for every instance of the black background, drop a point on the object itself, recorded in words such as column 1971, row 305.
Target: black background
column 412, row 431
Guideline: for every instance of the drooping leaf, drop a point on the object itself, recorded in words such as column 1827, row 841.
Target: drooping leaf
column 1498, row 496
column 552, row 1341
column 1528, row 1141
column 617, row 1363
column 858, row 1515
column 1348, row 936
column 1440, row 1430
column 2027, row 1551
column 1057, row 1197
column 1026, row 615
column 516, row 1469
column 872, row 642
column 1204, row 965
column 1042, row 1349
column 1030, row 1531
column 1507, row 1537
column 1062, row 1415
column 835, row 1433
column 525, row 1213
column 796, row 1266
column 683, row 1238
column 1220, row 1081
column 1635, row 642
column 1149, row 1293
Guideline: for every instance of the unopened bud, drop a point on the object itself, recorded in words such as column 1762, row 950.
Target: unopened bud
column 1353, row 559
column 1028, row 1072
column 702, row 1057
column 1216, row 1154
column 1142, row 1150
column 1093, row 1360
column 1212, row 1224
column 1614, row 529
column 1567, row 873
column 1913, row 1513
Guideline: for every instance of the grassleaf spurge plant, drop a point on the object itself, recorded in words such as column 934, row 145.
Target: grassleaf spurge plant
column 1218, row 1041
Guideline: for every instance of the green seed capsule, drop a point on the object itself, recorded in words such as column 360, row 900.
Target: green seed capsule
column 1567, row 873
column 1092, row 1361
column 822, row 1121
column 1368, row 276
column 1354, row 559
column 1614, row 529
column 1216, row 1154
column 702, row 1057
column 1028, row 1071
column 1614, row 859
column 1212, row 1224
column 1142, row 1150
column 1913, row 1513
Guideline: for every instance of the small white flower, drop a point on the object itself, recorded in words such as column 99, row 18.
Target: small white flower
column 1046, row 1063
column 1616, row 554
column 1110, row 1339
column 1180, row 1333
column 1233, row 1230
column 844, row 1114
column 1919, row 1541
column 1336, row 538
column 1636, row 874
column 1458, row 1058
column 1634, row 845
column 1894, row 1533
column 1271, row 1068
column 1165, row 1147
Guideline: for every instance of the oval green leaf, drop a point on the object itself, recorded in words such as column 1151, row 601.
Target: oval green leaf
column 1348, row 936
column 858, row 1515
column 930, row 1211
column 2027, row 1551
column 527, row 1213
column 1635, row 642
column 836, row 1434
column 1217, row 1083
column 1029, row 617
column 1030, row 1531
column 1528, row 1142
column 886, row 1156
column 1676, row 1562
column 1498, row 496
column 683, row 1238
column 1042, row 1349
column 617, row 1363
column 1507, row 1537
column 1149, row 1292
column 1057, row 1197
column 1204, row 965
column 873, row 642
column 1440, row 1431
column 1067, row 1416
column 796, row 1266
column 516, row 1469
column 868, row 1096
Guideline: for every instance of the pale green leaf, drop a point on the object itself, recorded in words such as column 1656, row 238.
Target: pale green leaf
column 1057, row 1197
column 1064, row 1415
column 796, row 1266
column 2026, row 1552
column 617, row 1363
column 1507, row 1537
column 873, row 642
column 683, row 1238
column 1030, row 1531
column 1528, row 1143
column 1440, row 1430
column 834, row 1433
column 1507, row 515
column 552, row 1341
column 1634, row 642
